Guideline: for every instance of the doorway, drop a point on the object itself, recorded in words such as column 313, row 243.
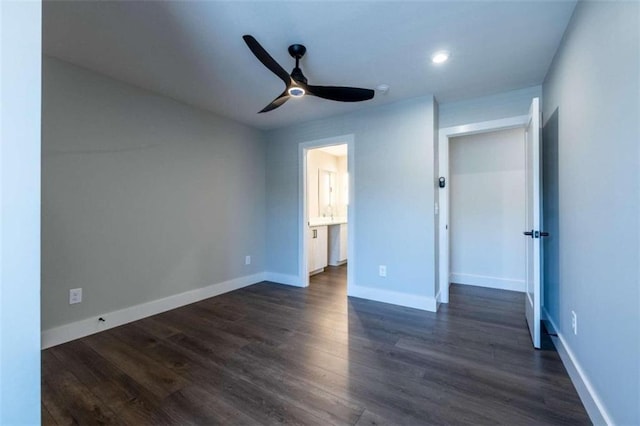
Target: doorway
column 533, row 203
column 487, row 209
column 326, row 207
column 444, row 217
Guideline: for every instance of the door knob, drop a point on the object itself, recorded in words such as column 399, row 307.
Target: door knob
column 536, row 234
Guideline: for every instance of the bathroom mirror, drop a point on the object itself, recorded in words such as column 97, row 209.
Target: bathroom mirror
column 326, row 193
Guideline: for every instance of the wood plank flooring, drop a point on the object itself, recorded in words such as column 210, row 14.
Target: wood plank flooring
column 273, row 354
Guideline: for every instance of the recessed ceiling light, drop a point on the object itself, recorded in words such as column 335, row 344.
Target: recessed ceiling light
column 383, row 88
column 296, row 92
column 440, row 57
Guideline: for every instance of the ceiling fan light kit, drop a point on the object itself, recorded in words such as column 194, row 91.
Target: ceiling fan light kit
column 296, row 92
column 296, row 83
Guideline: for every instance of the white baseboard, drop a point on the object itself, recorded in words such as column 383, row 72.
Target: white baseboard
column 486, row 281
column 393, row 297
column 590, row 399
column 75, row 330
column 275, row 277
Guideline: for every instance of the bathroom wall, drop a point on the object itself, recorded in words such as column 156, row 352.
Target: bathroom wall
column 343, row 187
column 317, row 161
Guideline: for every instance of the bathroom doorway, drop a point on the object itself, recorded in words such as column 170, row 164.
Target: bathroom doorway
column 326, row 209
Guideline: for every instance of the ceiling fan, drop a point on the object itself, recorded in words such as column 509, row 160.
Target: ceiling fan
column 296, row 83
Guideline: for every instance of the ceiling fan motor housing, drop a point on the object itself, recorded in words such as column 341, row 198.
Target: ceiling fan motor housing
column 297, row 50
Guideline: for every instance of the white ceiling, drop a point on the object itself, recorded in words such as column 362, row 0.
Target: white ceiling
column 194, row 52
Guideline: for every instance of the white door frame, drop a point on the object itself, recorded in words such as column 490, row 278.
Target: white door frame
column 303, row 240
column 443, row 163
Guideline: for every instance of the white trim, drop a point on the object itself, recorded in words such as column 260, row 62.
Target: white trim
column 75, row 330
column 303, row 147
column 292, row 280
column 443, row 167
column 394, row 298
column 592, row 402
column 487, row 281
column 484, row 127
column 533, row 185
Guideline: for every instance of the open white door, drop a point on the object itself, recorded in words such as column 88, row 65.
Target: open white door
column 533, row 208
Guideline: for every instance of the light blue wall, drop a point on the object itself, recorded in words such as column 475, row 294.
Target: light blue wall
column 493, row 107
column 143, row 197
column 394, row 194
column 593, row 90
column 20, row 36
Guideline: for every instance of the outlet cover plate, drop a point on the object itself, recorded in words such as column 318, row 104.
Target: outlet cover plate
column 382, row 270
column 75, row 296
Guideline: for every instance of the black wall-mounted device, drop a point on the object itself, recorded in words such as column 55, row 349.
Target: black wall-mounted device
column 441, row 182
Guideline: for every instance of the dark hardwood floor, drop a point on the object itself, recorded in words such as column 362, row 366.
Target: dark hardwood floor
column 271, row 354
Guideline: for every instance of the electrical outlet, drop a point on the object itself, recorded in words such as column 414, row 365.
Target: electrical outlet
column 574, row 322
column 75, row 296
column 382, row 270
column 247, row 260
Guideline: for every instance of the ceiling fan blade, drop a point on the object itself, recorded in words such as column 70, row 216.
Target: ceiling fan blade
column 342, row 94
column 284, row 97
column 266, row 59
